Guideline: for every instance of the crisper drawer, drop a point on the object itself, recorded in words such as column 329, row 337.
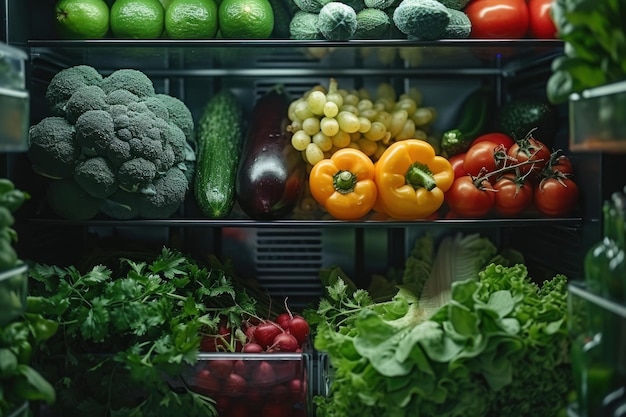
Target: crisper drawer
column 268, row 384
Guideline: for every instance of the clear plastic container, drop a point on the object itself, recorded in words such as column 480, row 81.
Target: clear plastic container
column 597, row 119
column 13, row 292
column 14, row 100
column 276, row 384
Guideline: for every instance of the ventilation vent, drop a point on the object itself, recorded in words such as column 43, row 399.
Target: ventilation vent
column 288, row 263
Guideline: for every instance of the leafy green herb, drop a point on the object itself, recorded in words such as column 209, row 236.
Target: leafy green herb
column 595, row 46
column 125, row 338
column 498, row 331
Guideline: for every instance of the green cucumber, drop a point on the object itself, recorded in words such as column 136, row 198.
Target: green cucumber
column 219, row 139
column 473, row 120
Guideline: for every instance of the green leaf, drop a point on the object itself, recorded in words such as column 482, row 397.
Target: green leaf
column 97, row 275
column 8, row 361
column 95, row 321
column 501, row 302
column 34, row 387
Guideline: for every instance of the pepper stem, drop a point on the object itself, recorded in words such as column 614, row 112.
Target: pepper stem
column 344, row 181
column 418, row 175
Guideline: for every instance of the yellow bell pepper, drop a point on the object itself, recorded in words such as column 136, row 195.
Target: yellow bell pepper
column 411, row 179
column 344, row 184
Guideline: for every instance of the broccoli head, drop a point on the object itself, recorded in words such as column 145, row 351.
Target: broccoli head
column 118, row 141
column 96, row 176
column 157, row 106
column 170, row 190
column 66, row 82
column 86, row 98
column 131, row 80
column 52, row 148
column 136, row 175
column 120, row 96
column 179, row 114
column 70, row 201
column 95, row 131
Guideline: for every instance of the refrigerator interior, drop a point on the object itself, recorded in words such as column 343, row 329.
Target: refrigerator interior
column 287, row 255
column 444, row 72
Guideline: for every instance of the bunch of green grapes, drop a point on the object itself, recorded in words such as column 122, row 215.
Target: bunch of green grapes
column 325, row 120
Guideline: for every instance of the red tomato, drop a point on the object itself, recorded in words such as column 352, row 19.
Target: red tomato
column 529, row 149
column 559, row 163
column 495, row 137
column 541, row 25
column 465, row 199
column 457, row 165
column 498, row 18
column 556, row 196
column 513, row 194
column 484, row 157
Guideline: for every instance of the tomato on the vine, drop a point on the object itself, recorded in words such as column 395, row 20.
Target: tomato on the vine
column 484, row 157
column 457, row 164
column 465, row 198
column 556, row 195
column 559, row 163
column 513, row 194
column 541, row 25
column 495, row 137
column 529, row 149
column 502, row 19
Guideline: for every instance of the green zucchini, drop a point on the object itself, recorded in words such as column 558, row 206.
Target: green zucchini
column 219, row 139
column 474, row 119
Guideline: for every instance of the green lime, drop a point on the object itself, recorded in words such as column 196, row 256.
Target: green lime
column 191, row 19
column 165, row 3
column 82, row 19
column 137, row 19
column 246, row 19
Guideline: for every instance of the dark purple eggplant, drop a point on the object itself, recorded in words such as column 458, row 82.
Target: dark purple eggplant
column 271, row 175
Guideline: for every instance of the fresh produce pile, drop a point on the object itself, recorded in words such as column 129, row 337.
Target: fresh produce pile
column 265, row 371
column 481, row 349
column 422, row 19
column 174, row 19
column 255, row 170
column 328, row 118
column 498, row 174
column 22, row 331
column 305, row 19
column 374, row 154
column 125, row 346
column 113, row 144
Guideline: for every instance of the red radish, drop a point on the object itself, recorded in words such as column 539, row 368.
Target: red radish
column 265, row 333
column 283, row 320
column 220, row 368
column 255, row 398
column 206, row 383
column 299, row 328
column 279, row 393
column 285, row 342
column 241, row 368
column 264, row 374
column 296, row 386
column 252, row 348
column 284, row 370
column 235, row 385
column 249, row 332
